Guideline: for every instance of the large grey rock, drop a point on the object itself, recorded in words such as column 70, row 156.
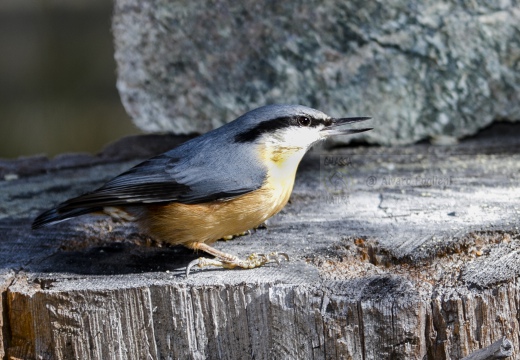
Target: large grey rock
column 421, row 69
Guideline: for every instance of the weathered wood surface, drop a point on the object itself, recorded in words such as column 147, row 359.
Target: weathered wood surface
column 408, row 253
column 500, row 349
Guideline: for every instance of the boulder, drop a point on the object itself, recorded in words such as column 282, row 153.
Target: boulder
column 422, row 70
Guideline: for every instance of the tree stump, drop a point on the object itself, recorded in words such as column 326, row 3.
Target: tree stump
column 408, row 253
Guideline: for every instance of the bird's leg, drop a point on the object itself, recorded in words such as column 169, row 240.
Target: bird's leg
column 229, row 261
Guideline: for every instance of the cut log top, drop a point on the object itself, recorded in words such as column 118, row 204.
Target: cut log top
column 394, row 252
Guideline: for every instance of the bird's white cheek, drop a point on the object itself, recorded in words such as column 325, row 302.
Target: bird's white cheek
column 301, row 137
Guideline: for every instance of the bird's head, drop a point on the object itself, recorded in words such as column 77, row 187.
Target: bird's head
column 291, row 126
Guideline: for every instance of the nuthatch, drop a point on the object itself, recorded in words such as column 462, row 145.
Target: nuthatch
column 222, row 183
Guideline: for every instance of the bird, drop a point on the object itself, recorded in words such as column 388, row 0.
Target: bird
column 219, row 184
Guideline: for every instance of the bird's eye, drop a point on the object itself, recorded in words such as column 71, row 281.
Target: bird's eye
column 304, row 121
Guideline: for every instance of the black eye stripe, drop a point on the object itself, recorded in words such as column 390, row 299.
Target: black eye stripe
column 264, row 127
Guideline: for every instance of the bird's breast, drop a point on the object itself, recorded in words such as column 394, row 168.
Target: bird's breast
column 282, row 163
column 207, row 222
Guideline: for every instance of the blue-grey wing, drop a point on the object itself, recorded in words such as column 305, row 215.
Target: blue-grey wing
column 171, row 177
column 207, row 168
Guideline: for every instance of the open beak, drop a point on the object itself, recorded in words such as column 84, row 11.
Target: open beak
column 334, row 127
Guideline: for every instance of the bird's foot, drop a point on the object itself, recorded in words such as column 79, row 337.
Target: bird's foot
column 230, row 261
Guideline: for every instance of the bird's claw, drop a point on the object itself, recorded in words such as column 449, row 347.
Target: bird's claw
column 251, row 262
column 273, row 256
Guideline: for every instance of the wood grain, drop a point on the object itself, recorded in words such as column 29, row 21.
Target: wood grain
column 402, row 253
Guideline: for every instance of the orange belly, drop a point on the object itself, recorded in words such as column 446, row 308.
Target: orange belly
column 185, row 224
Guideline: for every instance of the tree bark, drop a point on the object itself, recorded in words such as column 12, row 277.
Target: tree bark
column 402, row 253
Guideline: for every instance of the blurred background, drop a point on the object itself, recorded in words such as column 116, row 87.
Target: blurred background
column 57, row 78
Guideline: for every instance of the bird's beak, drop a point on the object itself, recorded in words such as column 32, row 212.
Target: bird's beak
column 334, row 127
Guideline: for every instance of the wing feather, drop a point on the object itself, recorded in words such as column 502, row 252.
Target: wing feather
column 164, row 179
column 171, row 177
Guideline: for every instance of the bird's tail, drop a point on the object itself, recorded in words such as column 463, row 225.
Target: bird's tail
column 59, row 214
